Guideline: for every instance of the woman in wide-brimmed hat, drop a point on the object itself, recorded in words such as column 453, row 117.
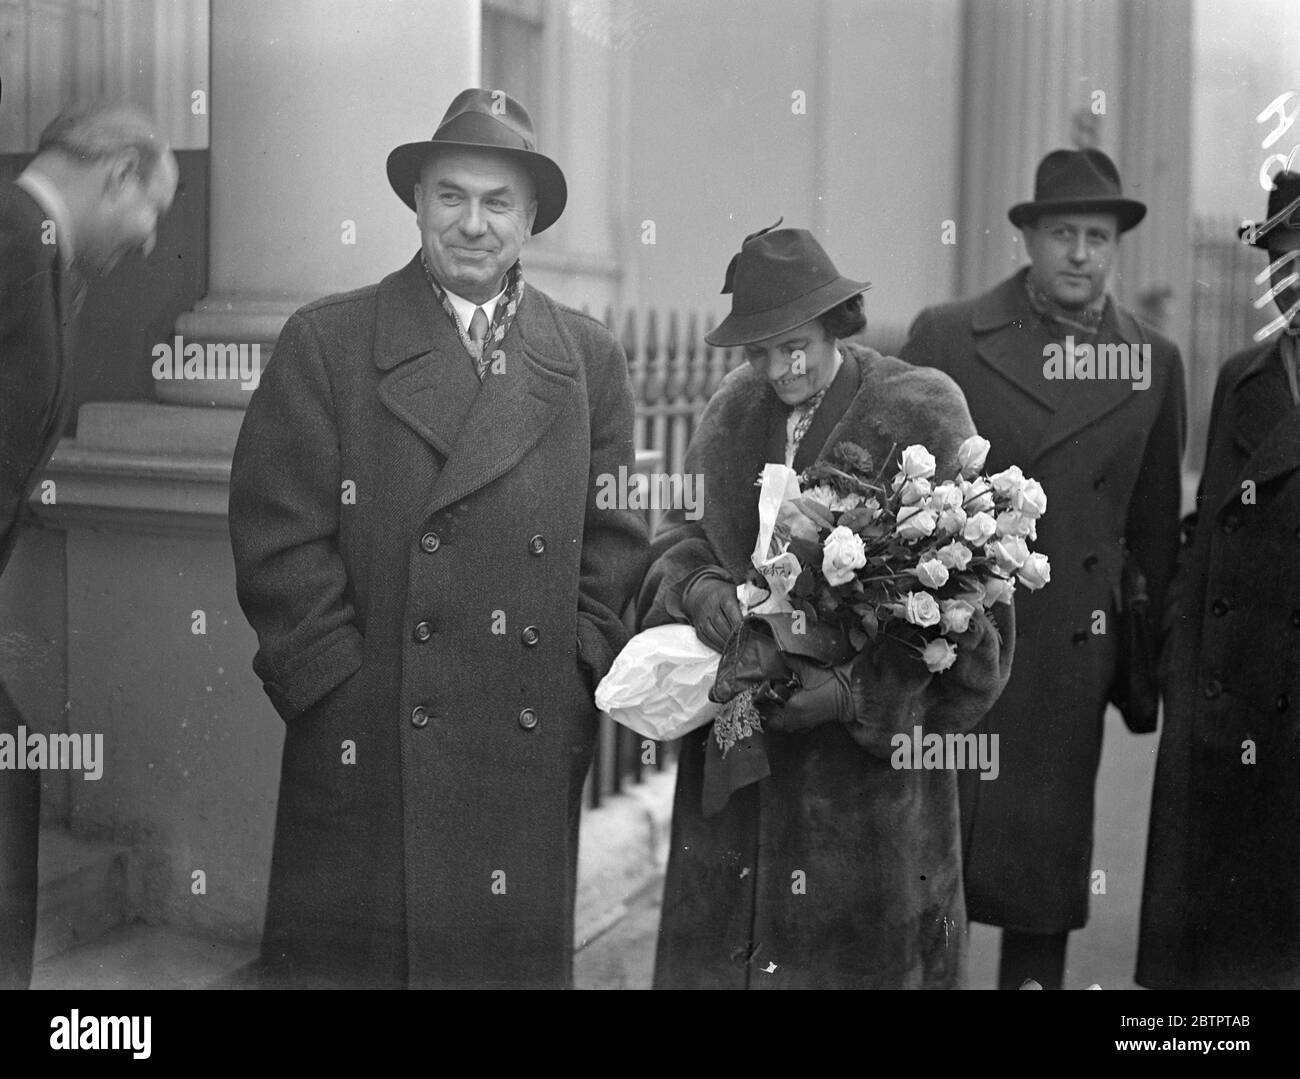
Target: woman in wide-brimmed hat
column 836, row 870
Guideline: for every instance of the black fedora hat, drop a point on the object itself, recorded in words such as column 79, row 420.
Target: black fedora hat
column 1078, row 182
column 1283, row 212
column 780, row 279
column 485, row 120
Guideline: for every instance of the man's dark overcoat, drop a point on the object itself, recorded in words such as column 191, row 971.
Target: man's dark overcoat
column 434, row 591
column 1221, row 901
column 839, row 869
column 1108, row 456
column 35, row 321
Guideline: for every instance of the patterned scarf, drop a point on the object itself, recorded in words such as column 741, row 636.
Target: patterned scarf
column 1085, row 320
column 501, row 318
column 804, row 412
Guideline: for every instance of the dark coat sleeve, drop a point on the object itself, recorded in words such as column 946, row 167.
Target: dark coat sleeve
column 681, row 550
column 1152, row 528
column 285, row 499
column 614, row 540
column 28, row 340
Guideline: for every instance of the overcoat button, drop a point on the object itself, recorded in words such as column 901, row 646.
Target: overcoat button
column 423, row 631
column 1295, row 619
column 1212, row 689
column 1219, row 608
column 1099, row 483
column 1089, row 561
column 1230, row 524
column 430, row 542
column 537, row 544
column 1283, row 702
column 419, row 716
column 1297, row 533
column 530, row 636
column 528, row 719
column 1080, row 636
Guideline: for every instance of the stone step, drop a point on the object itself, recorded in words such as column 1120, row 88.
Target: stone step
column 139, row 956
column 84, row 891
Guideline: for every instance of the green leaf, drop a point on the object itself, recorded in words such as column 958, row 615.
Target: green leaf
column 816, row 512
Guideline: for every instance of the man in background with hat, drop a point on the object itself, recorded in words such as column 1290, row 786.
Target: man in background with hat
column 1107, row 451
column 435, row 591
column 1221, row 899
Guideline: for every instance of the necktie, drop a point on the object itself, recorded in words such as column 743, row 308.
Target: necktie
column 478, row 327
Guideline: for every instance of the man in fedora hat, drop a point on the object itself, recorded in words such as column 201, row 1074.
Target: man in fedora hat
column 1070, row 386
column 1222, row 888
column 435, row 590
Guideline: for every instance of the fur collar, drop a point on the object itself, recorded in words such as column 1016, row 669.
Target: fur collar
column 896, row 406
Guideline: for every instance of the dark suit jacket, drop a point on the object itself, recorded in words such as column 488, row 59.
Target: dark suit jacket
column 1109, row 457
column 33, row 385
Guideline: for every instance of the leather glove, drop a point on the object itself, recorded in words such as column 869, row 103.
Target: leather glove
column 823, row 696
column 713, row 610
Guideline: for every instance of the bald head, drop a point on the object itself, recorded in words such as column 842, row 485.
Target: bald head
column 99, row 131
column 117, row 175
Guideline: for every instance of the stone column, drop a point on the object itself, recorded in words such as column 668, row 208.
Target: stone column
column 307, row 99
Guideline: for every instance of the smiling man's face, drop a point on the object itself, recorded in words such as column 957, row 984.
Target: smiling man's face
column 475, row 212
column 1072, row 255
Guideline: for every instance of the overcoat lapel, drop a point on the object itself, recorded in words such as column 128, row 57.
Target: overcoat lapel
column 482, row 430
column 1265, row 424
column 1087, row 401
column 1006, row 328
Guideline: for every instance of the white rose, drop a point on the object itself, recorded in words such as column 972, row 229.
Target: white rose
column 976, row 497
column 1012, row 523
column 946, row 496
column 971, row 455
column 939, row 655
column 821, row 494
column 1030, row 499
column 916, row 463
column 914, row 492
column 957, row 614
column 951, row 522
column 932, row 573
column 980, row 527
column 1036, row 571
column 842, row 553
column 914, row 523
column 1008, row 481
column 954, row 555
column 1011, row 553
column 998, row 590
column 921, row 609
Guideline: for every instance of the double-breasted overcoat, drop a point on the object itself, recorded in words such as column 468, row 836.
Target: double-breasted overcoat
column 1108, row 455
column 435, row 591
column 1221, row 900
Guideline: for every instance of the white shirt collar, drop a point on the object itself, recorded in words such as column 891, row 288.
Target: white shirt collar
column 47, row 196
column 465, row 308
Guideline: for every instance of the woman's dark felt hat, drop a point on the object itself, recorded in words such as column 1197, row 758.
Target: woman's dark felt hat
column 485, row 120
column 781, row 279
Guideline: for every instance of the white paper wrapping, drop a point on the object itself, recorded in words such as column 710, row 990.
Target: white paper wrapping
column 659, row 683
